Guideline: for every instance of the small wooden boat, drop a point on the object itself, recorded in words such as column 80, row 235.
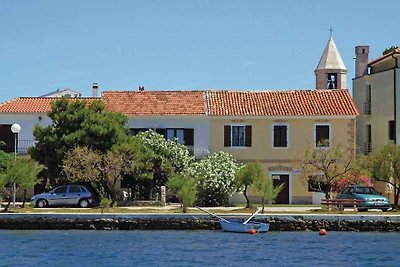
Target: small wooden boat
column 240, row 226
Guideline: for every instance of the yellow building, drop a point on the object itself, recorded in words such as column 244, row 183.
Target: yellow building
column 274, row 127
column 375, row 92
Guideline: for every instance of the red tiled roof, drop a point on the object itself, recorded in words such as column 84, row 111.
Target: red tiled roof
column 396, row 51
column 281, row 103
column 155, row 102
column 213, row 103
column 31, row 104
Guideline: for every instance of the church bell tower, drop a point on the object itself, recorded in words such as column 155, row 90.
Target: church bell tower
column 331, row 72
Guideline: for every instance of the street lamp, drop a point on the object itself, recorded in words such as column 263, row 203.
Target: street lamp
column 15, row 128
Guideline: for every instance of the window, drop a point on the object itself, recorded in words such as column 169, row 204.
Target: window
column 331, row 82
column 60, row 190
column 74, row 189
column 183, row 136
column 280, row 135
column 176, row 134
column 237, row 135
column 322, row 135
column 392, row 131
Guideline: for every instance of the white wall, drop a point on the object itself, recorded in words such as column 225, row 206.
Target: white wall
column 26, row 121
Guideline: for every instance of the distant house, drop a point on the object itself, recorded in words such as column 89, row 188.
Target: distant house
column 67, row 92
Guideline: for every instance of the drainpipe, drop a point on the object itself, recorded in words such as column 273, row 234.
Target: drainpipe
column 395, row 99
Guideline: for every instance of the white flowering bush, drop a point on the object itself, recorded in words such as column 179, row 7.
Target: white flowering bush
column 171, row 153
column 216, row 178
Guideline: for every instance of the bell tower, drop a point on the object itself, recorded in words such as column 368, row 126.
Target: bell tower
column 331, row 73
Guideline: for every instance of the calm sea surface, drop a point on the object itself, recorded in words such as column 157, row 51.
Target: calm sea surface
column 197, row 248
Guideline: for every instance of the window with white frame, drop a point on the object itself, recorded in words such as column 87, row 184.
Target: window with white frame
column 237, row 135
column 322, row 135
column 280, row 135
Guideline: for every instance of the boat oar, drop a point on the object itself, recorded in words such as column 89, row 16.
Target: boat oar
column 212, row 214
column 251, row 217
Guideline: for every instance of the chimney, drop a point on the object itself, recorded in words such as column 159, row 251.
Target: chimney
column 141, row 88
column 95, row 90
column 361, row 60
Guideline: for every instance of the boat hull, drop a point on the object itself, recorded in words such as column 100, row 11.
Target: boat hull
column 239, row 227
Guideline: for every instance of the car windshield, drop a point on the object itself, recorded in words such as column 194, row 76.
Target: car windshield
column 366, row 190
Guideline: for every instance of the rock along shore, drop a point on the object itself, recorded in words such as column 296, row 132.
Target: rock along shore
column 194, row 222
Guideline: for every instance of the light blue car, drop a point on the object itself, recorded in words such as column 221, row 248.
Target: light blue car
column 372, row 198
column 65, row 195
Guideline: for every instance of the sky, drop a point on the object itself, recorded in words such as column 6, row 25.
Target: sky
column 47, row 45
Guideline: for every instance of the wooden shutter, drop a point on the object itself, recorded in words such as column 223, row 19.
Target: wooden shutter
column 392, row 131
column 280, row 136
column 227, row 135
column 277, row 136
column 247, row 134
column 284, row 135
column 188, row 136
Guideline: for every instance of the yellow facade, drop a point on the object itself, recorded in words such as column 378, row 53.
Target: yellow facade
column 280, row 161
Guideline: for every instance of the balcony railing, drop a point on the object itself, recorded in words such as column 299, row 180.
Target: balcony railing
column 22, row 146
column 367, row 108
column 367, row 149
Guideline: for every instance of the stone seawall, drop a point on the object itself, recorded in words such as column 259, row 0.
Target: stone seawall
column 185, row 222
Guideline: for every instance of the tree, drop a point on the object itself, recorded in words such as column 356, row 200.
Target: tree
column 160, row 158
column 324, row 166
column 184, row 187
column 386, row 168
column 216, row 178
column 101, row 170
column 246, row 176
column 22, row 172
column 265, row 188
column 76, row 123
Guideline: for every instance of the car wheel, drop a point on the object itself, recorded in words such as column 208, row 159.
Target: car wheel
column 83, row 203
column 384, row 210
column 41, row 203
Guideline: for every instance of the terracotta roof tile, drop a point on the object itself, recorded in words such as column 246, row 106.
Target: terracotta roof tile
column 395, row 51
column 155, row 102
column 31, row 104
column 281, row 103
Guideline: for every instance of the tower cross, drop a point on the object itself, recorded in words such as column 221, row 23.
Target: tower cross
column 330, row 31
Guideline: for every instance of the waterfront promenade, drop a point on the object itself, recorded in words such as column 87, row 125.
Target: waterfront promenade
column 288, row 218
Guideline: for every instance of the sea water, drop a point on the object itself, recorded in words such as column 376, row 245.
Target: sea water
column 197, row 248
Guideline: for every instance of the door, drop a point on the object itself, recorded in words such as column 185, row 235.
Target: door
column 74, row 194
column 283, row 196
column 58, row 196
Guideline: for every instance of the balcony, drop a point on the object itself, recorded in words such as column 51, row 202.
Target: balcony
column 367, row 108
column 22, row 146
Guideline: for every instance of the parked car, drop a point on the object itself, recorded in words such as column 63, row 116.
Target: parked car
column 372, row 198
column 65, row 195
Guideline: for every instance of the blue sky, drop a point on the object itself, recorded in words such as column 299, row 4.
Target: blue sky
column 182, row 45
